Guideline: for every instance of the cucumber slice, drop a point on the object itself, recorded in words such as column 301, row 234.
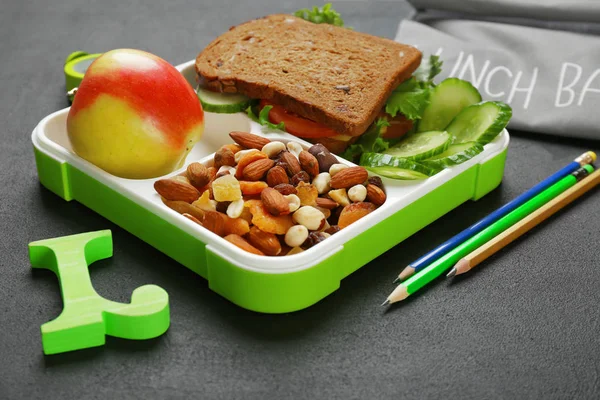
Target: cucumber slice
column 446, row 100
column 398, row 173
column 456, row 154
column 419, row 146
column 395, row 167
column 480, row 122
column 225, row 103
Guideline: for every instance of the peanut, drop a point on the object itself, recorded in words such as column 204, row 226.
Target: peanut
column 310, row 217
column 357, row 193
column 321, row 182
column 272, row 149
column 296, row 235
column 335, row 168
column 235, row 208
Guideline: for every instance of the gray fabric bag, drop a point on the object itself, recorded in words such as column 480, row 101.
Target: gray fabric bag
column 540, row 57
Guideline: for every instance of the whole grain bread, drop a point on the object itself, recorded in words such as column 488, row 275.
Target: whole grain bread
column 332, row 75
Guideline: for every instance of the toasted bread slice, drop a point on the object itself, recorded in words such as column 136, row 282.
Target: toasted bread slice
column 335, row 76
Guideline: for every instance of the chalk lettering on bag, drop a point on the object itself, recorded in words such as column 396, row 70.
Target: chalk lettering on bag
column 586, row 87
column 567, row 88
column 457, row 64
column 529, row 89
column 470, row 65
column 488, row 79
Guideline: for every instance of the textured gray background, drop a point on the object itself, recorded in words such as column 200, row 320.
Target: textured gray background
column 524, row 325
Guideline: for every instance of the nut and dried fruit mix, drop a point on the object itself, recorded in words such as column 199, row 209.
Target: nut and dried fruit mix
column 271, row 198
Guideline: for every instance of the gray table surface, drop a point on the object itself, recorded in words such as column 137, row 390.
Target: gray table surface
column 524, row 325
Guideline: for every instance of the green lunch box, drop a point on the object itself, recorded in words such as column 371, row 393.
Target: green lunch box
column 258, row 283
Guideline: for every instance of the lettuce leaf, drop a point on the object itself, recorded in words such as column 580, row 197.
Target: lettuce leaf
column 321, row 15
column 263, row 118
column 409, row 99
column 412, row 96
column 370, row 141
column 428, row 70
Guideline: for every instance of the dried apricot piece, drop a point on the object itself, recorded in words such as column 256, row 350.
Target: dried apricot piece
column 266, row 222
column 250, row 188
column 246, row 214
column 353, row 212
column 234, row 147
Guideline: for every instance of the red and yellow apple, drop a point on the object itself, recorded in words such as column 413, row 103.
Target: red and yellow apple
column 134, row 115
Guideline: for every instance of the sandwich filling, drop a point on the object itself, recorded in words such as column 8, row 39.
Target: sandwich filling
column 399, row 116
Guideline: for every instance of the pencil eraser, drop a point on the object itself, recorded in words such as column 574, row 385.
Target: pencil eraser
column 593, row 155
column 588, row 168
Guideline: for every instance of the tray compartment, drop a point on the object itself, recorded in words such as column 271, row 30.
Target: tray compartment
column 259, row 283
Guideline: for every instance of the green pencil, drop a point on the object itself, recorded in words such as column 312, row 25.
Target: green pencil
column 438, row 267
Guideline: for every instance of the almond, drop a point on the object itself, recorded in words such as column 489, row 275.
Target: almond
column 214, row 222
column 192, row 218
column 290, row 163
column 248, row 140
column 212, row 172
column 354, row 212
column 198, row 175
column 309, row 163
column 256, row 170
column 285, row 189
column 240, row 242
column 247, row 160
column 183, row 207
column 326, row 212
column 224, row 156
column 266, row 242
column 324, row 202
column 172, row 189
column 222, row 225
column 277, row 176
column 274, row 202
column 375, row 195
column 349, row 177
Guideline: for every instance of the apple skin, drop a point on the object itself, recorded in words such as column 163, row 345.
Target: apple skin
column 134, row 115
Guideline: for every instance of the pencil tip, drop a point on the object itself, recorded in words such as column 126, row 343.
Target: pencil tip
column 451, row 273
column 405, row 274
column 385, row 303
column 396, row 280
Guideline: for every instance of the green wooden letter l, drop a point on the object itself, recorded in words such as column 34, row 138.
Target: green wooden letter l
column 87, row 317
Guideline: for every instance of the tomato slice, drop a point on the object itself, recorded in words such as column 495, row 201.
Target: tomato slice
column 295, row 124
column 399, row 126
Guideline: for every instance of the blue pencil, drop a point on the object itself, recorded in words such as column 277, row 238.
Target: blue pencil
column 586, row 158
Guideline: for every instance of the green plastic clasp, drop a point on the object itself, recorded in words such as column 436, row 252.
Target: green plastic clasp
column 87, row 317
column 76, row 64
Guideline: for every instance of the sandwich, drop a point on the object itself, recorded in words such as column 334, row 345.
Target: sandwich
column 323, row 83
